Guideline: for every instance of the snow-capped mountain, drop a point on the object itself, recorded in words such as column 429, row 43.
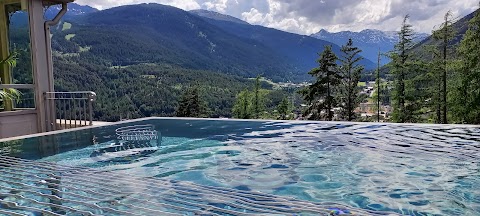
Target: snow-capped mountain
column 369, row 40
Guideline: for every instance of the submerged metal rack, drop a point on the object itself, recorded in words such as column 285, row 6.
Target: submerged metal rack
column 133, row 142
column 138, row 133
column 52, row 189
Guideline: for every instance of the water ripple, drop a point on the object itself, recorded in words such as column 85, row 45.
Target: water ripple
column 406, row 169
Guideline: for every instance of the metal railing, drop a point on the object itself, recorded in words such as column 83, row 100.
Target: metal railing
column 69, row 109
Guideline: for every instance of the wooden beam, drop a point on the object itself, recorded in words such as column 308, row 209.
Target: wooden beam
column 6, row 72
column 10, row 1
column 55, row 2
column 17, row 86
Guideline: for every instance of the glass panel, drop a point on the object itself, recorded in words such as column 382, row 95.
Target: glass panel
column 27, row 99
column 19, row 36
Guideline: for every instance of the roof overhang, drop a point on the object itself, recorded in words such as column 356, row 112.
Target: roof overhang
column 16, row 5
column 54, row 2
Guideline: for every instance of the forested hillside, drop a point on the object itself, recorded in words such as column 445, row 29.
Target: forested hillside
column 301, row 50
column 153, row 33
column 139, row 59
column 459, row 28
column 146, row 89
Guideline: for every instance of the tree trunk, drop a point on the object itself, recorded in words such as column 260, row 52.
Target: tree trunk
column 329, row 102
column 444, row 78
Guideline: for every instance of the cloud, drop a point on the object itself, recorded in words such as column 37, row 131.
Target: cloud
column 309, row 16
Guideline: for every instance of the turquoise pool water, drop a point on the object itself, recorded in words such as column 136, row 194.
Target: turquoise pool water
column 403, row 169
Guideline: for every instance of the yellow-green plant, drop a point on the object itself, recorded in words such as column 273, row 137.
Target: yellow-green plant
column 9, row 94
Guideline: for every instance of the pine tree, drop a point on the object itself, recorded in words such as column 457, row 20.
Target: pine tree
column 418, row 83
column 465, row 96
column 250, row 104
column 378, row 84
column 445, row 34
column 241, row 108
column 191, row 104
column 320, row 94
column 400, row 66
column 435, row 90
column 257, row 103
column 350, row 71
column 284, row 109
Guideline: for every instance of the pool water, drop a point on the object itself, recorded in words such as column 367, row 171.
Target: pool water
column 403, row 169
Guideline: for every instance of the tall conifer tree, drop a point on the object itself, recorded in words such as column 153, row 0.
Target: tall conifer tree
column 320, row 94
column 350, row 71
column 400, row 66
column 445, row 34
column 191, row 104
column 465, row 98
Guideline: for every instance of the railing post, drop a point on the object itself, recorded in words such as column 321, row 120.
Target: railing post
column 47, row 112
column 91, row 99
column 53, row 113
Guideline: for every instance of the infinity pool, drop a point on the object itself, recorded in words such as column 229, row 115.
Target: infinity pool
column 384, row 168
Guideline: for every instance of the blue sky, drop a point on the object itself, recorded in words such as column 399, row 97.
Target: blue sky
column 309, row 16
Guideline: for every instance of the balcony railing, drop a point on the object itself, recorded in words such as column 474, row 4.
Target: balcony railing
column 69, row 109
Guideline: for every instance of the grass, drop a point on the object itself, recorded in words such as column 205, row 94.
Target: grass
column 149, row 76
column 275, row 85
column 119, row 67
column 85, row 49
column 60, row 54
column 66, row 26
column 69, row 36
column 362, row 84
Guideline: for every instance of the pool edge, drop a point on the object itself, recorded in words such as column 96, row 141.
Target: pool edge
column 228, row 119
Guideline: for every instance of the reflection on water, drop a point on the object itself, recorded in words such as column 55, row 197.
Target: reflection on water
column 411, row 170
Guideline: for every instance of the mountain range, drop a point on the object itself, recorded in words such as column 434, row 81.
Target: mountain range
column 199, row 40
column 73, row 9
column 140, row 58
column 370, row 41
column 301, row 50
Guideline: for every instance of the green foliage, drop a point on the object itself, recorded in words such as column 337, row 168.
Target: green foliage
column 11, row 60
column 320, row 94
column 384, row 94
column 241, row 109
column 9, row 94
column 145, row 90
column 445, row 35
column 251, row 104
column 350, row 71
column 191, row 104
column 465, row 94
column 258, row 103
column 443, row 85
column 153, row 33
column 284, row 110
column 400, row 68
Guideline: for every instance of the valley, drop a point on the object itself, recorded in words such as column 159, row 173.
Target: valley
column 141, row 58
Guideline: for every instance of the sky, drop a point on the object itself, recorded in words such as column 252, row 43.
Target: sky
column 310, row 16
